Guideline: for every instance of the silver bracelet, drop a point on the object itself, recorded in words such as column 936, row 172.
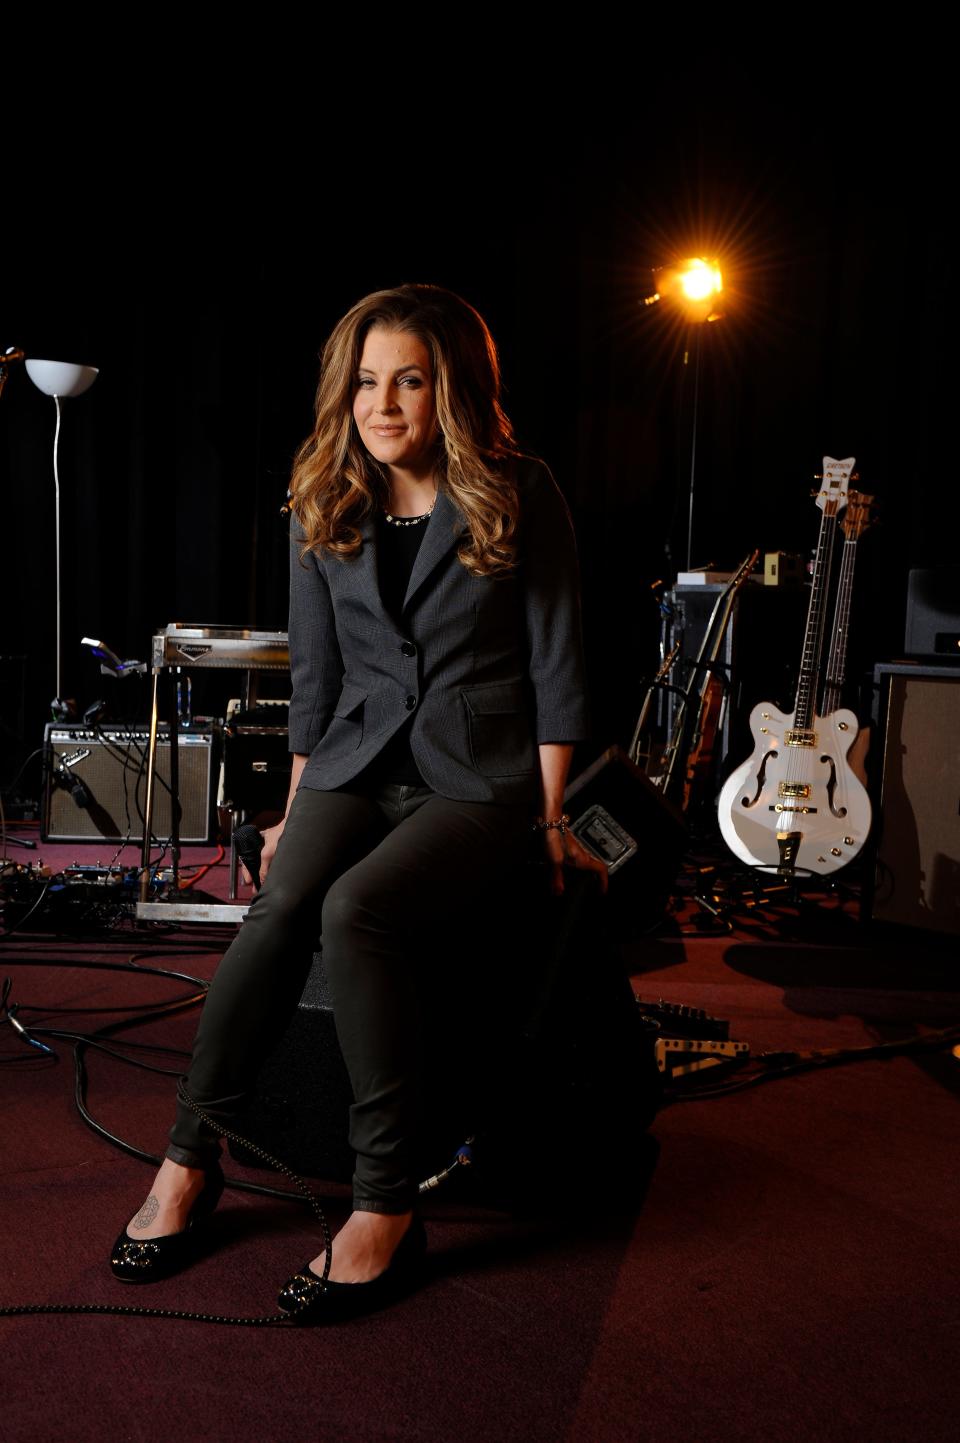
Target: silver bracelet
column 552, row 824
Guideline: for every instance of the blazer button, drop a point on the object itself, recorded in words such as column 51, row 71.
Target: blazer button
column 410, row 703
column 408, row 649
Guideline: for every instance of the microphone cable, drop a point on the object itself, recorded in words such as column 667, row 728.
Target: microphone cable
column 98, row 1041
column 81, row 1042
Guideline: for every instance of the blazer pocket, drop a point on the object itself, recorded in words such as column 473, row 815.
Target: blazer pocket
column 501, row 742
column 348, row 712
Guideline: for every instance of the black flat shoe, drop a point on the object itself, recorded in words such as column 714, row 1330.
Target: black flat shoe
column 308, row 1299
column 149, row 1260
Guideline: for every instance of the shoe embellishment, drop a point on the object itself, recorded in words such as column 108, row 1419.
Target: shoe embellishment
column 135, row 1255
column 309, row 1299
column 300, row 1291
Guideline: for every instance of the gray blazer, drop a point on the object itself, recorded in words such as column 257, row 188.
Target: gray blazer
column 488, row 667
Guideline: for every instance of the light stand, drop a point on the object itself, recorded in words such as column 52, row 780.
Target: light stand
column 691, row 290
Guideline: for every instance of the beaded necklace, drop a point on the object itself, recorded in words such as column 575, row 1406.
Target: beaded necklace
column 408, row 520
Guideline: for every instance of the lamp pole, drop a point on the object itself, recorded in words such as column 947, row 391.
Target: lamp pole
column 693, row 436
column 59, row 379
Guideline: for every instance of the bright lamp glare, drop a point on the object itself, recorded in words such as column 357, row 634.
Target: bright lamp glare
column 698, row 280
column 690, row 288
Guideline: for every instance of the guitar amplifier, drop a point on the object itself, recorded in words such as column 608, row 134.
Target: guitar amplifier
column 917, row 881
column 95, row 783
column 256, row 757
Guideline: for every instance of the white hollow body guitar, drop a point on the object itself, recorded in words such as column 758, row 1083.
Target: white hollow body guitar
column 796, row 803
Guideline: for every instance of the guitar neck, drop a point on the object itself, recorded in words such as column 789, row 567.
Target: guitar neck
column 805, row 706
column 837, row 657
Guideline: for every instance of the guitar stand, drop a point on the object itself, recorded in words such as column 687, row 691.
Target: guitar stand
column 763, row 892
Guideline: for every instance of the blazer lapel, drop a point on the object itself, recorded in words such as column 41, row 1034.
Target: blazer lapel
column 444, row 530
column 363, row 572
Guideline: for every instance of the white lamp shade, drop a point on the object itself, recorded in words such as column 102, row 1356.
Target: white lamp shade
column 61, row 378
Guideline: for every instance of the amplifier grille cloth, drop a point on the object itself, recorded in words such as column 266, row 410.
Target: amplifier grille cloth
column 114, row 773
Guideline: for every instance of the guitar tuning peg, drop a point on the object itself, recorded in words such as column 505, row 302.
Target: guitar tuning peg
column 818, row 475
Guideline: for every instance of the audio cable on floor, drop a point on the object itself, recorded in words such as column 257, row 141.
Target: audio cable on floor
column 81, row 1041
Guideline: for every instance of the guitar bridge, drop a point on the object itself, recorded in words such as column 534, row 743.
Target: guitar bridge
column 801, row 811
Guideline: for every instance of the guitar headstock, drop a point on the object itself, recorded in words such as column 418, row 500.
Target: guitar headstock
column 744, row 569
column 834, row 483
column 859, row 516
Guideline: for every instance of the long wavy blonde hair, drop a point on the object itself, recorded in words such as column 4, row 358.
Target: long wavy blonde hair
column 336, row 482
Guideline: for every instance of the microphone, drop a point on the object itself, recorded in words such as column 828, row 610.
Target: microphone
column 248, row 844
column 80, row 794
column 65, row 779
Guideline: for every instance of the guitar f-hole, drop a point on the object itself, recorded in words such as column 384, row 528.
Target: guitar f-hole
column 761, row 776
column 832, row 786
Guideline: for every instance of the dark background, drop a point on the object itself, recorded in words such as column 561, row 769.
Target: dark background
column 201, row 268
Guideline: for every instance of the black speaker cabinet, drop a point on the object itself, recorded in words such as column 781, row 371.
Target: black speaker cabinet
column 256, row 758
column 933, row 613
column 623, row 818
column 95, row 784
column 303, row 1094
column 532, row 1042
column 917, row 880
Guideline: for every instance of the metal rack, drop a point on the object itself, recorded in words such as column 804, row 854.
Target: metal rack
column 177, row 648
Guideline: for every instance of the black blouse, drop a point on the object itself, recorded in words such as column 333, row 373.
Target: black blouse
column 397, row 548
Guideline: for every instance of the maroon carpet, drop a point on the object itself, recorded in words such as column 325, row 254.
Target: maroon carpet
column 792, row 1273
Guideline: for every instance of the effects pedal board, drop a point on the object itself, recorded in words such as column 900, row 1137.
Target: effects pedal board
column 689, row 1040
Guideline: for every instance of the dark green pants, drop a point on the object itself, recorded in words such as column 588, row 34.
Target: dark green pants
column 377, row 873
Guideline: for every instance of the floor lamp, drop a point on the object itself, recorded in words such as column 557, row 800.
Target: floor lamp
column 59, row 379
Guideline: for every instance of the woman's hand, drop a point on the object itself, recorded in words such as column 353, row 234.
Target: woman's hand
column 562, row 847
column 271, row 837
column 565, row 850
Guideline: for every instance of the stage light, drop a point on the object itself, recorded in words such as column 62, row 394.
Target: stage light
column 689, row 290
column 698, row 280
column 691, row 287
